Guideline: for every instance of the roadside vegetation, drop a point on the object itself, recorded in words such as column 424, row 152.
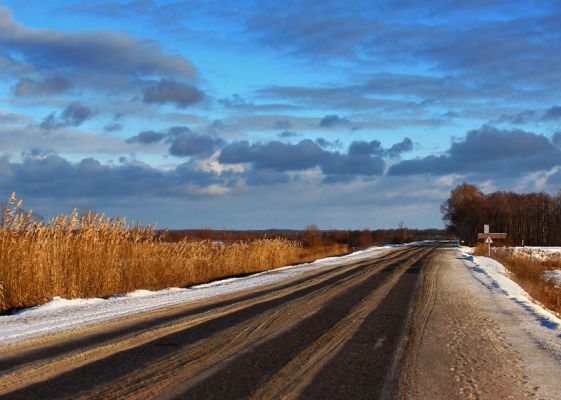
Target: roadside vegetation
column 90, row 255
column 531, row 273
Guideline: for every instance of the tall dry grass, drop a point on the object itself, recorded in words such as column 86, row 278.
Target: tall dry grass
column 528, row 272
column 90, row 255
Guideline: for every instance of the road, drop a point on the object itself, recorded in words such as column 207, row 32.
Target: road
column 339, row 332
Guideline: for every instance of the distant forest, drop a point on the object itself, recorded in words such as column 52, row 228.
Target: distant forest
column 312, row 236
column 530, row 218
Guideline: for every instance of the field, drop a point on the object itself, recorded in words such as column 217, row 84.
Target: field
column 535, row 269
column 90, row 255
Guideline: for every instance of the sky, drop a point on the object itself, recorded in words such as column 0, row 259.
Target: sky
column 253, row 115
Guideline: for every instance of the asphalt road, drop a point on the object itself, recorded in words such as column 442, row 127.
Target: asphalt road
column 336, row 333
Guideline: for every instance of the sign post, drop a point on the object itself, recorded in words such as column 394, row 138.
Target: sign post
column 489, row 242
column 488, row 236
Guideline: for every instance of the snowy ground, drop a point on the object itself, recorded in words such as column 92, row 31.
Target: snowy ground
column 543, row 326
column 538, row 253
column 62, row 314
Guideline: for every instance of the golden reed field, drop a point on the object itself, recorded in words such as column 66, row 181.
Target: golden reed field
column 90, row 255
column 528, row 272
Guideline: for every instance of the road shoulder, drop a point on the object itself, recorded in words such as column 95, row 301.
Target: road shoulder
column 466, row 344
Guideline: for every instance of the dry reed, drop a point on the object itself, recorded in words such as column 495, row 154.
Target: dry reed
column 90, row 255
column 528, row 272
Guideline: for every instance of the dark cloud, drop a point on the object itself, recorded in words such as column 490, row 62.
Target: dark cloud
column 550, row 114
column 274, row 155
column 282, row 157
column 330, row 121
column 49, row 86
column 520, row 118
column 183, row 142
column 288, row 134
column 74, row 114
column 402, row 147
column 352, row 165
column 54, row 176
column 146, row 137
column 172, row 92
column 175, row 131
column 373, row 147
column 50, row 122
column 113, row 127
column 556, row 138
column 187, row 145
column 490, row 152
column 553, row 113
column 106, row 52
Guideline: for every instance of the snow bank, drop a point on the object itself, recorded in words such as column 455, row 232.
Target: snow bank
column 62, row 314
column 494, row 276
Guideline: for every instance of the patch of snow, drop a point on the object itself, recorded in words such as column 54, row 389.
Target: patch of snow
column 538, row 253
column 59, row 304
column 554, row 274
column 61, row 314
column 136, row 293
column 467, row 250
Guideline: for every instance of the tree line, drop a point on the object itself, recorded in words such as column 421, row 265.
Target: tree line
column 312, row 235
column 532, row 219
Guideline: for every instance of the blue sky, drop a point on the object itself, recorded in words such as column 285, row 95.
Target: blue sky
column 264, row 114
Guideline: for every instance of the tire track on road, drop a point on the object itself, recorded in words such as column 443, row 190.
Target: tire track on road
column 289, row 382
column 279, row 351
column 52, row 367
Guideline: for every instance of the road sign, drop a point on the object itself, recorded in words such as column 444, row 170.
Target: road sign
column 491, row 235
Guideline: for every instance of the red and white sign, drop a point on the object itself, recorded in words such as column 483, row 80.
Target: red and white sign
column 491, row 235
